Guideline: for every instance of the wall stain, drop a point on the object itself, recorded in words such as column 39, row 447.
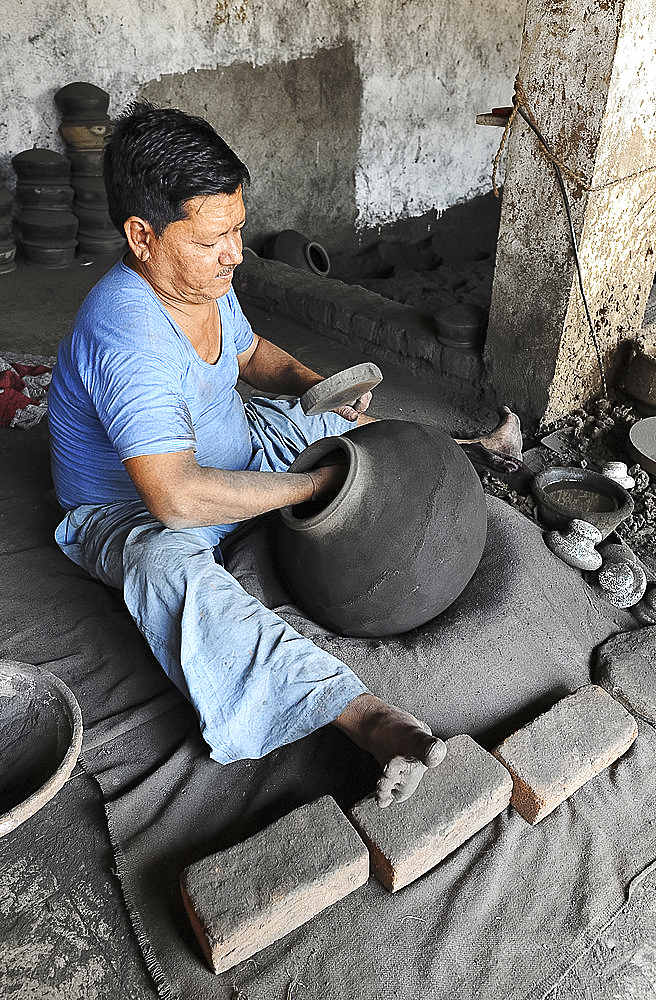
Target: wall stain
column 298, row 131
column 228, row 11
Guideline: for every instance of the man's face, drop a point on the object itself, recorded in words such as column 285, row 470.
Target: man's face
column 193, row 259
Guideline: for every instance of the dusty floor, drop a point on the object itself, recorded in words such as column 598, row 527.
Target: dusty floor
column 453, row 262
column 63, row 927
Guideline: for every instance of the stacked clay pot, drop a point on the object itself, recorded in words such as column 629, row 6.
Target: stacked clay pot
column 85, row 128
column 399, row 541
column 7, row 245
column 45, row 227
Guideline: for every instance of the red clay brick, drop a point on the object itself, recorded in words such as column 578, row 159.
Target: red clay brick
column 454, row 800
column 242, row 899
column 563, row 748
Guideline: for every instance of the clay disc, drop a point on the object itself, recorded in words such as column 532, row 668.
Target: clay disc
column 340, row 389
column 642, row 438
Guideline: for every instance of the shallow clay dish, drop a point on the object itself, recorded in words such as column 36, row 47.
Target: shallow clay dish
column 564, row 494
column 642, row 442
column 40, row 740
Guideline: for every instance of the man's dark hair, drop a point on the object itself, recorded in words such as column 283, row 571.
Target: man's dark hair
column 159, row 158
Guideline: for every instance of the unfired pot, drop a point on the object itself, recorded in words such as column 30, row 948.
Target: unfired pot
column 398, row 543
column 639, row 377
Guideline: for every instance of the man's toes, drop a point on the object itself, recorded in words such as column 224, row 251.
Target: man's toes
column 399, row 780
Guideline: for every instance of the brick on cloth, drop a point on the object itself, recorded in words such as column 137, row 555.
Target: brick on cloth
column 23, row 390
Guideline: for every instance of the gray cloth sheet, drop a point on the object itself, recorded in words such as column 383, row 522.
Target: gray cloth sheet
column 504, row 916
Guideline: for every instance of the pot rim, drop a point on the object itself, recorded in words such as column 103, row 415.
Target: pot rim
column 314, row 452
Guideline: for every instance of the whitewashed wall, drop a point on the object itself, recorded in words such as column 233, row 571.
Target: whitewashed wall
column 426, row 67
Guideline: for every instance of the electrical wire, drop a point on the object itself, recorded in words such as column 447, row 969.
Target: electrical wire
column 572, row 236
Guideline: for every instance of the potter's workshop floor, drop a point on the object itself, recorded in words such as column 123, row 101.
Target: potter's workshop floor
column 64, row 931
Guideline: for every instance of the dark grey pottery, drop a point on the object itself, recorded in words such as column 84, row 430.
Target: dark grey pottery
column 295, row 249
column 45, row 227
column 85, row 128
column 398, row 543
column 563, row 494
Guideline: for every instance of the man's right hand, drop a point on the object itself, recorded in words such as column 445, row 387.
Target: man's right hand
column 328, row 478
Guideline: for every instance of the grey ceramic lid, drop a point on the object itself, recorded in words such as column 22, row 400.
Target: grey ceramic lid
column 341, row 389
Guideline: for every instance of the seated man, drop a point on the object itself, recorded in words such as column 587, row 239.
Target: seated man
column 156, row 458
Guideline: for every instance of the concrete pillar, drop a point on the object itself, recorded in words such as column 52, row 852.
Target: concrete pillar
column 587, row 70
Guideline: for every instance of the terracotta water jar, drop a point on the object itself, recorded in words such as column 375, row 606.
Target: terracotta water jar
column 400, row 540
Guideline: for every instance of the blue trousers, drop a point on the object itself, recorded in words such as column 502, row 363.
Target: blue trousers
column 256, row 684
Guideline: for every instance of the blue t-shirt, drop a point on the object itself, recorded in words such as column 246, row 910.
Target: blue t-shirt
column 128, row 382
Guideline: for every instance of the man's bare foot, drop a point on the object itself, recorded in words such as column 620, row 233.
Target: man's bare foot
column 402, row 745
column 505, row 438
column 500, row 451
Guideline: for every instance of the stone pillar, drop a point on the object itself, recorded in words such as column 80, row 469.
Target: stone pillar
column 587, row 71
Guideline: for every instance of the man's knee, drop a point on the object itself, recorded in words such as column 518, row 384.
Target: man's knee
column 153, row 548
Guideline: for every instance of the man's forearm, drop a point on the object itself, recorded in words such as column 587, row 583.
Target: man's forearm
column 182, row 494
column 219, row 496
column 271, row 369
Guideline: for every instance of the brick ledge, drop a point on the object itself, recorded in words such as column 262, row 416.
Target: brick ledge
column 349, row 313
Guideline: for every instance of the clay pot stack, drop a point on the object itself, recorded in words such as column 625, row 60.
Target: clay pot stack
column 7, row 245
column 46, row 227
column 85, row 128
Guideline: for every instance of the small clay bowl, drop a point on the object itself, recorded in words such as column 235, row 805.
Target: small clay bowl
column 564, row 494
column 40, row 740
column 462, row 325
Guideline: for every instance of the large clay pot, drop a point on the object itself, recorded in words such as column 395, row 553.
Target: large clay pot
column 40, row 740
column 398, row 543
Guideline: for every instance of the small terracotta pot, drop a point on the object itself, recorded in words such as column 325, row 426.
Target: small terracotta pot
column 87, row 162
column 563, row 494
column 52, row 228
column 82, row 101
column 82, row 136
column 41, row 166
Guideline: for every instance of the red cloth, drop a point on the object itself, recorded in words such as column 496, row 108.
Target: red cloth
column 31, row 369
column 12, row 397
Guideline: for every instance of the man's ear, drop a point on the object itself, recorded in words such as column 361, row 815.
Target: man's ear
column 140, row 236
